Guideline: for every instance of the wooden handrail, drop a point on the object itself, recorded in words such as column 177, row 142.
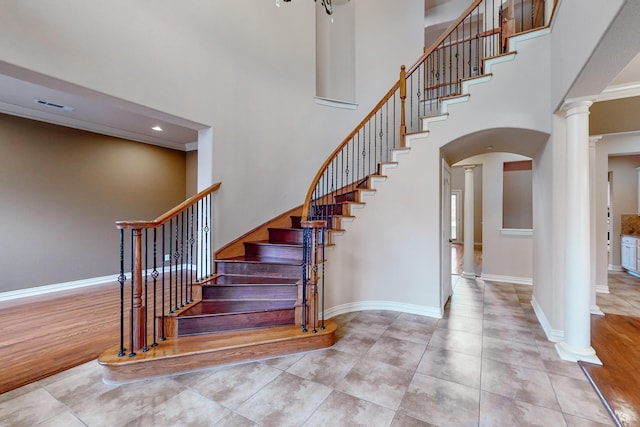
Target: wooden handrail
column 443, row 36
column 165, row 217
column 401, row 83
column 316, row 179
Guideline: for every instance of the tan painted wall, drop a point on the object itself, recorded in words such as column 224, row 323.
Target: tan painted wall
column 192, row 173
column 616, row 116
column 61, row 190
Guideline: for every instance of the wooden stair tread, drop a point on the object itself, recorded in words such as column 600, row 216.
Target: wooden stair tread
column 261, row 259
column 270, row 243
column 233, row 279
column 225, row 307
column 185, row 354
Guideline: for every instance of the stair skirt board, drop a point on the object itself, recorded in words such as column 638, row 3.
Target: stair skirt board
column 421, row 310
column 188, row 354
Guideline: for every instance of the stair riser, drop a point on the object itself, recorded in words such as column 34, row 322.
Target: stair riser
column 287, row 292
column 229, row 322
column 259, row 269
column 273, row 251
column 347, row 197
column 285, row 236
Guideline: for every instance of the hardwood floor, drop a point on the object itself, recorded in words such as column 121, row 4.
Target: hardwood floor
column 47, row 334
column 457, row 258
column 616, row 339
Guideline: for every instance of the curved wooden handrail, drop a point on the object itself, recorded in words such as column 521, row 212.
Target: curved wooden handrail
column 165, row 217
column 385, row 98
column 316, row 179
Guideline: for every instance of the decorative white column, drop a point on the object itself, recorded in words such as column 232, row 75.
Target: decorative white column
column 468, row 266
column 593, row 224
column 577, row 287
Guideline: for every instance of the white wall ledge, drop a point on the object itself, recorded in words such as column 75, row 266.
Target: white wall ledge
column 526, row 232
column 335, row 103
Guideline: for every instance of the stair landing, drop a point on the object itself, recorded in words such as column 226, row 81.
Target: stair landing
column 187, row 354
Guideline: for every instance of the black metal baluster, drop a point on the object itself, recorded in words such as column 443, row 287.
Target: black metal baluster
column 145, row 347
column 191, row 246
column 210, row 234
column 170, row 266
column 323, row 230
column 305, row 280
column 154, row 274
column 133, row 283
column 164, row 279
column 478, row 39
column 182, row 269
column 121, row 279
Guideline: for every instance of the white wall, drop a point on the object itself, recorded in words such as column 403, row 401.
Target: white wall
column 457, row 183
column 506, row 257
column 613, row 154
column 390, row 254
column 247, row 69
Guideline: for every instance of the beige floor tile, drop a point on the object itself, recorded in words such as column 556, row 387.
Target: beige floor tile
column 233, row 385
column 451, row 366
column 462, row 342
column 287, row 401
column 184, row 409
column 28, row 409
column 341, row 409
column 441, row 402
column 403, row 420
column 578, row 398
column 499, row 411
column 399, row 353
column 518, row 383
column 376, row 382
column 410, row 331
column 324, row 366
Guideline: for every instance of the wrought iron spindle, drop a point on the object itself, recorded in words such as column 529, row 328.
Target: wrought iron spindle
column 121, row 279
column 170, row 230
column 145, row 348
column 154, row 275
column 162, row 303
column 133, row 283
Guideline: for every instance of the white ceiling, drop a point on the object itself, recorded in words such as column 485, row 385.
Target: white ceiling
column 92, row 111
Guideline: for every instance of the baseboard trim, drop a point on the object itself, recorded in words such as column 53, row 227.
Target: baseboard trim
column 553, row 335
column 602, row 289
column 75, row 284
column 383, row 305
column 507, row 279
column 615, row 267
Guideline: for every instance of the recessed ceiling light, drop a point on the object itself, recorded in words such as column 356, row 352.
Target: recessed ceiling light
column 157, row 128
column 489, row 147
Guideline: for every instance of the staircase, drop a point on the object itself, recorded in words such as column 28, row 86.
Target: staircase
column 255, row 290
column 255, row 303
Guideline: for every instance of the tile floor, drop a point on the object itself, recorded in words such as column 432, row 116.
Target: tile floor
column 486, row 363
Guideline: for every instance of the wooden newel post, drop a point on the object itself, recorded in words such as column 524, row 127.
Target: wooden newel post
column 403, row 96
column 137, row 307
column 307, row 304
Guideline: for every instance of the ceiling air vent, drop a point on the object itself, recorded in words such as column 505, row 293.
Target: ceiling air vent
column 53, row 105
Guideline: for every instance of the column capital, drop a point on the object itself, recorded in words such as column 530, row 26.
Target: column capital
column 469, row 168
column 578, row 106
column 594, row 139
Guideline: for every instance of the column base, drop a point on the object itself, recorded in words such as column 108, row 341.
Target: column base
column 574, row 354
column 596, row 310
column 468, row 275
